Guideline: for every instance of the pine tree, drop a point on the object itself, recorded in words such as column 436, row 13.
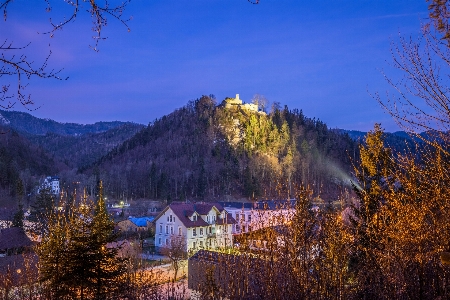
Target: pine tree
column 53, row 259
column 76, row 245
column 108, row 266
column 375, row 178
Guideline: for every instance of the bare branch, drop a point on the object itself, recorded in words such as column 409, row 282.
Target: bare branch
column 23, row 69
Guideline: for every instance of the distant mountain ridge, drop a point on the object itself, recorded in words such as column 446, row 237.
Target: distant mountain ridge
column 360, row 135
column 27, row 124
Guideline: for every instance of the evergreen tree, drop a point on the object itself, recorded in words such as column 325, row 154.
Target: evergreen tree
column 108, row 266
column 41, row 209
column 53, row 259
column 375, row 177
column 76, row 245
column 18, row 217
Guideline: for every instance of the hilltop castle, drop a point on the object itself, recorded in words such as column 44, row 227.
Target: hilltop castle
column 237, row 103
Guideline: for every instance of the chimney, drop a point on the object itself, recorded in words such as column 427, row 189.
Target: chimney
column 237, row 96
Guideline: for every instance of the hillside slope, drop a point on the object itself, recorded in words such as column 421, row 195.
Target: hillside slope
column 206, row 151
column 82, row 150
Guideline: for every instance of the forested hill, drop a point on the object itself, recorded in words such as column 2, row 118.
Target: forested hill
column 20, row 160
column 205, row 151
column 83, row 150
column 27, row 124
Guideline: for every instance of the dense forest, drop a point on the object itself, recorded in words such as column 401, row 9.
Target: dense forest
column 21, row 160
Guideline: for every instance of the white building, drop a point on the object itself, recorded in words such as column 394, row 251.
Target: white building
column 204, row 225
column 51, row 183
column 259, row 215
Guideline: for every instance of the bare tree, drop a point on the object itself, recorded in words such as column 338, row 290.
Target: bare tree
column 14, row 63
column 176, row 252
column 261, row 101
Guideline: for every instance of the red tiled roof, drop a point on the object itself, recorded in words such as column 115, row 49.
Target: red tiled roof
column 185, row 210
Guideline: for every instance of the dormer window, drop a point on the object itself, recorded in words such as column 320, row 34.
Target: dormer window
column 194, row 218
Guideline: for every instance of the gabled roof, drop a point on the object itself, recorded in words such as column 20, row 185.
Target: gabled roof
column 185, row 210
column 13, row 237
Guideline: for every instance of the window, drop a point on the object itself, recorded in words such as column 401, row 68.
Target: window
column 193, row 245
column 170, row 218
column 237, row 216
column 167, row 218
column 194, row 232
column 243, row 217
column 249, row 218
column 160, row 228
column 167, row 241
column 201, row 243
column 207, row 218
column 171, row 229
column 249, row 228
column 159, row 241
column 210, row 229
column 201, row 231
column 237, row 228
column 214, row 218
column 167, row 229
column 180, row 231
column 194, row 218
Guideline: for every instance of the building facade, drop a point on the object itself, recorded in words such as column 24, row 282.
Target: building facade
column 258, row 215
column 52, row 184
column 202, row 225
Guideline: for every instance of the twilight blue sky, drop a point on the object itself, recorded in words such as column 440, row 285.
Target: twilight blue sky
column 324, row 57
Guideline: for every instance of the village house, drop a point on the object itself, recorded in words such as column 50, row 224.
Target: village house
column 203, row 225
column 52, row 184
column 258, row 215
column 14, row 241
column 136, row 224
